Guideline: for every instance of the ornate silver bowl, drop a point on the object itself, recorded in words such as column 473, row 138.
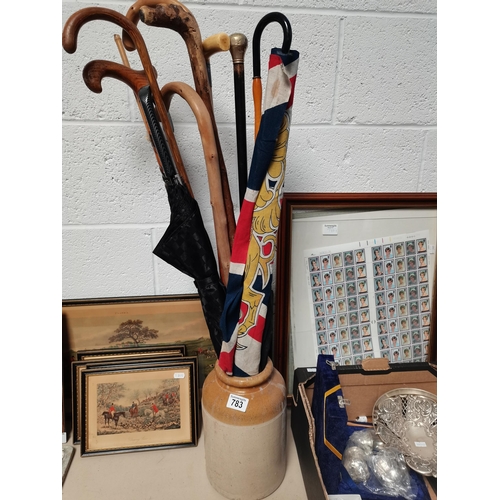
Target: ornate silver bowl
column 406, row 419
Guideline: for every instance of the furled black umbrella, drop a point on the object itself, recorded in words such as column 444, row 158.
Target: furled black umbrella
column 185, row 244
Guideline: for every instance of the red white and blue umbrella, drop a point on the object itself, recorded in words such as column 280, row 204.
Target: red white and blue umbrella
column 249, row 288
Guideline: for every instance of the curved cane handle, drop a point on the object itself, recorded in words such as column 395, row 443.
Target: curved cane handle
column 69, row 40
column 93, row 74
column 133, row 14
column 257, row 83
column 219, row 42
column 95, row 71
column 212, row 163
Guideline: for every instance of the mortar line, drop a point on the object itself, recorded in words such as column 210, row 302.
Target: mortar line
column 116, row 225
column 422, row 160
column 340, row 50
column 154, row 260
column 304, row 10
column 193, row 7
column 107, row 123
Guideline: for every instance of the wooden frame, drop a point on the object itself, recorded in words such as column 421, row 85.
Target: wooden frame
column 317, row 204
column 131, row 352
column 155, row 407
column 148, row 354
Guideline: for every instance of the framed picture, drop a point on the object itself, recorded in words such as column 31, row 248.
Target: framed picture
column 364, row 236
column 101, row 324
column 153, row 354
column 140, row 407
column 131, row 352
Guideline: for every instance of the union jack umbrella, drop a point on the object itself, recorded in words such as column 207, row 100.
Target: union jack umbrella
column 249, row 287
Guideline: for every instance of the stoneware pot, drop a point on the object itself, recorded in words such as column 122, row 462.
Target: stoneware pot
column 244, row 427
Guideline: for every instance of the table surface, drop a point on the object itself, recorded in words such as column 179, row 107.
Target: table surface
column 176, row 474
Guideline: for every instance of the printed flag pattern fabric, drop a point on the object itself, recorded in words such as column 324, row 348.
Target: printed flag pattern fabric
column 250, row 274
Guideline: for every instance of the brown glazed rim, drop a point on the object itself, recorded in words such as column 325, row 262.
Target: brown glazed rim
column 252, row 381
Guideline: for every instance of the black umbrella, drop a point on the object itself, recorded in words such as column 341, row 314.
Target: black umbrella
column 186, row 244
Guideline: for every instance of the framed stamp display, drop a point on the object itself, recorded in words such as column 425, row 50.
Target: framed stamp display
column 140, row 407
column 356, row 278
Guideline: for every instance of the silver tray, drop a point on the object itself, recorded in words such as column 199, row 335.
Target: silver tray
column 406, row 419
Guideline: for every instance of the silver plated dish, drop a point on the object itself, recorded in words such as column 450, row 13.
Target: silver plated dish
column 406, row 419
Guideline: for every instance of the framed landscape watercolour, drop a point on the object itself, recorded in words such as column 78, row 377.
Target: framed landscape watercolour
column 356, row 278
column 140, row 408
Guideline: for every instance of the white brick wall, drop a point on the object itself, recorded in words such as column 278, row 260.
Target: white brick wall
column 364, row 119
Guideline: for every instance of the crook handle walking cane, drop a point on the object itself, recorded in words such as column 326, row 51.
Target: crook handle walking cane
column 93, row 74
column 69, row 39
column 211, row 46
column 257, row 81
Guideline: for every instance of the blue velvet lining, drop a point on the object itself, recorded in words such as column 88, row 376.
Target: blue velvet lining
column 336, row 433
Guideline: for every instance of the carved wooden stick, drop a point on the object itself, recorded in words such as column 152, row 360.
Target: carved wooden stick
column 211, row 46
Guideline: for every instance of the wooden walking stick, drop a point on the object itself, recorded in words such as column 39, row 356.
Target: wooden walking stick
column 174, row 15
column 211, row 46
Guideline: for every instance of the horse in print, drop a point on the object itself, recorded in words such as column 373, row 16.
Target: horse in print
column 107, row 417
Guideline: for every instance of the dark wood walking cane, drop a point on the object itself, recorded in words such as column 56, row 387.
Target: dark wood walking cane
column 239, row 44
column 174, row 15
column 69, row 41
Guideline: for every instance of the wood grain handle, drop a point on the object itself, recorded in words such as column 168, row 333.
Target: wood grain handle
column 219, row 42
column 134, row 14
column 95, row 71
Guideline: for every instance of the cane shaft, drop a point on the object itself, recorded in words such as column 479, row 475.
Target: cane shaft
column 126, row 63
column 239, row 44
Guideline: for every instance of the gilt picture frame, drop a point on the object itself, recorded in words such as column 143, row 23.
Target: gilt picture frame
column 142, row 407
